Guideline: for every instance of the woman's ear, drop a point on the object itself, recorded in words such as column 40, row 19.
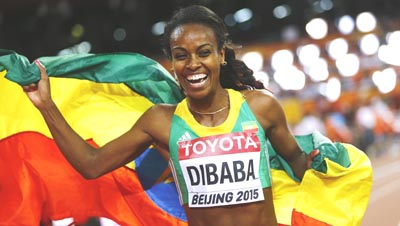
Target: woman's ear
column 222, row 53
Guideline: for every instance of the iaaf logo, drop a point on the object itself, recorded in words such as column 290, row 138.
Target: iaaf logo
column 219, row 145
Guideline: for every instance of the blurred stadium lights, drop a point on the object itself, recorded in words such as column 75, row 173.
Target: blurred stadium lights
column 254, row 60
column 385, row 80
column 360, row 56
column 158, row 28
column 243, row 15
column 318, row 71
column 308, row 54
column 282, row 59
column 369, row 44
column 348, row 65
column 332, row 44
column 366, row 22
column 119, row 34
column 337, row 48
column 263, row 77
column 333, row 89
column 389, row 52
column 317, row 28
column 345, row 24
column 290, row 78
column 282, row 11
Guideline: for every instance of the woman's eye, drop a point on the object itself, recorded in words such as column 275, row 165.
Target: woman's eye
column 204, row 53
column 179, row 56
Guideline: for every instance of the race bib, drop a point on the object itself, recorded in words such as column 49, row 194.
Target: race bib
column 222, row 170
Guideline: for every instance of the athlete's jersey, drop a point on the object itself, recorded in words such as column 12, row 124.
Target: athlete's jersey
column 222, row 165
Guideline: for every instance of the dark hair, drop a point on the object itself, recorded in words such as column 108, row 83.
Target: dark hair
column 235, row 74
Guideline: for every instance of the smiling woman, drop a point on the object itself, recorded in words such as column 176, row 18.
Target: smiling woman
column 217, row 137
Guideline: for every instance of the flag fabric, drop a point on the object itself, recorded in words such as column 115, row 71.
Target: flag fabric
column 36, row 182
column 101, row 96
column 335, row 191
column 141, row 74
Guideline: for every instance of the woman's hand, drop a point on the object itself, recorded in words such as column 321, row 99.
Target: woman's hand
column 39, row 93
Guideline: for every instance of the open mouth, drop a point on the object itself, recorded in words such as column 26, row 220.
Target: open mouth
column 197, row 78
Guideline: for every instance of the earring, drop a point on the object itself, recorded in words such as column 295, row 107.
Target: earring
column 224, row 63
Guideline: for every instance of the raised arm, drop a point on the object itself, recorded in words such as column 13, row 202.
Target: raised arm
column 270, row 114
column 87, row 160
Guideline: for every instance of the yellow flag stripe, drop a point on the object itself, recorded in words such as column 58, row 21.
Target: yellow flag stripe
column 339, row 197
column 96, row 111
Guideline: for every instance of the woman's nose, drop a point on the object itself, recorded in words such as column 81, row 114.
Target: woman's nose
column 193, row 63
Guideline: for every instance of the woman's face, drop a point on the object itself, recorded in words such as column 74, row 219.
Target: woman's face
column 196, row 59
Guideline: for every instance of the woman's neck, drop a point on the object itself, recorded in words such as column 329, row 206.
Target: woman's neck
column 215, row 104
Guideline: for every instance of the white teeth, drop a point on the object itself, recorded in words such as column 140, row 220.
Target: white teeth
column 196, row 77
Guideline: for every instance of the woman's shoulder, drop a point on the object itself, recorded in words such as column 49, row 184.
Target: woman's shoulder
column 158, row 114
column 157, row 118
column 261, row 101
column 162, row 110
column 256, row 95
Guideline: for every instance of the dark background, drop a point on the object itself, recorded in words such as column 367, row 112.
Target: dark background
column 37, row 28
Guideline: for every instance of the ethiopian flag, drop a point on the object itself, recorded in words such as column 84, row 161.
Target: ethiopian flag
column 102, row 96
column 335, row 191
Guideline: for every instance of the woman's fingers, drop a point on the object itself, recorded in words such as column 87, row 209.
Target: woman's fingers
column 311, row 156
column 314, row 153
column 30, row 88
column 43, row 73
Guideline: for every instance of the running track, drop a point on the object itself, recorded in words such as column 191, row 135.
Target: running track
column 384, row 204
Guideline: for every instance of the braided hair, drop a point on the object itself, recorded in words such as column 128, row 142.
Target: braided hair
column 235, row 74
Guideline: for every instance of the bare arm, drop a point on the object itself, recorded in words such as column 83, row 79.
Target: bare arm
column 272, row 117
column 87, row 160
